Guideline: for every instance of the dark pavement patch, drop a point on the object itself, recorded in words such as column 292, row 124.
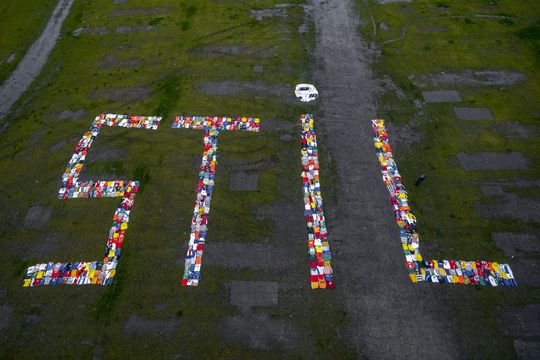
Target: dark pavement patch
column 473, row 113
column 432, row 28
column 251, row 256
column 266, row 13
column 520, row 321
column 258, row 331
column 146, row 11
column 527, row 350
column 526, row 272
column 37, row 217
column 96, row 30
column 113, row 61
column 474, row 77
column 511, row 207
column 6, row 311
column 54, row 148
column 124, row 29
column 510, row 129
column 255, row 88
column 438, row 96
column 236, row 50
column 492, row 190
column 147, row 326
column 279, row 125
column 247, row 294
column 244, row 182
column 121, row 94
column 492, row 161
column 513, row 244
column 71, row 115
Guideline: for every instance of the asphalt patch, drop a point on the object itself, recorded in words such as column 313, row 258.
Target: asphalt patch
column 492, row 161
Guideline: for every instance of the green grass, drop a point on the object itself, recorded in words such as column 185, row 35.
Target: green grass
column 165, row 161
column 447, row 202
column 23, row 21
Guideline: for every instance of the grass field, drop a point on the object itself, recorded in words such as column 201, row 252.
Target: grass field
column 157, row 67
column 431, row 136
column 166, row 57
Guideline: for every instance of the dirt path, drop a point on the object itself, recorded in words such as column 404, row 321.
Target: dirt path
column 34, row 60
column 389, row 317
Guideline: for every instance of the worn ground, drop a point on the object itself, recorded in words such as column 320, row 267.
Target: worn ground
column 169, row 57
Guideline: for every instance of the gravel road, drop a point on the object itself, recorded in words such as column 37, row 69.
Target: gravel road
column 389, row 317
column 34, row 60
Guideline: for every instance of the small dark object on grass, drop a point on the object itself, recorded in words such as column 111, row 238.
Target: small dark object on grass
column 420, row 179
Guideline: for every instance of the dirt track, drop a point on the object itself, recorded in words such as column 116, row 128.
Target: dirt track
column 34, row 60
column 389, row 317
